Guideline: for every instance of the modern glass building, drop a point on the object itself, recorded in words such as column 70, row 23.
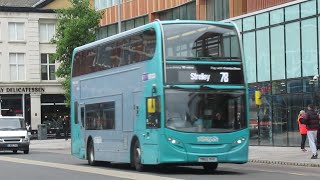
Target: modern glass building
column 281, row 46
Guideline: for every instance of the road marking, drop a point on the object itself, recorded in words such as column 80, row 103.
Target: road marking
column 297, row 174
column 308, row 174
column 87, row 169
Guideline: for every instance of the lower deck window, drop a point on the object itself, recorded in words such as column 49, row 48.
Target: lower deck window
column 100, row 116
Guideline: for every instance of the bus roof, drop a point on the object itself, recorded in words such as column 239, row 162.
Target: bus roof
column 146, row 26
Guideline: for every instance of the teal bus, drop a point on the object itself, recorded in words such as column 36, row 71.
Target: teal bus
column 165, row 93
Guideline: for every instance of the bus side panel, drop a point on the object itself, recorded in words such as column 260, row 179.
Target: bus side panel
column 114, row 144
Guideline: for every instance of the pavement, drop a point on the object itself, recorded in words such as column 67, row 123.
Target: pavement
column 292, row 156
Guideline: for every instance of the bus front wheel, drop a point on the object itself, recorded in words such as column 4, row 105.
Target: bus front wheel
column 90, row 150
column 210, row 167
column 137, row 157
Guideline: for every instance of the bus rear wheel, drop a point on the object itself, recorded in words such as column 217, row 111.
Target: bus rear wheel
column 210, row 167
column 137, row 157
column 90, row 150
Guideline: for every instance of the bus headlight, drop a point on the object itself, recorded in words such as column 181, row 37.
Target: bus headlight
column 239, row 141
column 173, row 141
column 1, row 140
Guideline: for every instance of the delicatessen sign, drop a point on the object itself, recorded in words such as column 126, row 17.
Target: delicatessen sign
column 21, row 90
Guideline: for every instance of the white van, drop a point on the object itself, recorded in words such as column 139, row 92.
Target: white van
column 13, row 134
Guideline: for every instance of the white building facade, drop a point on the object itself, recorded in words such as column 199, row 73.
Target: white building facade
column 28, row 85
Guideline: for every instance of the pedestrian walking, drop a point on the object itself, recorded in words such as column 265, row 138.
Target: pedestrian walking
column 303, row 130
column 311, row 119
column 65, row 124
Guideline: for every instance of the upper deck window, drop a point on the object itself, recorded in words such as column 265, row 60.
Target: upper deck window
column 133, row 48
column 201, row 41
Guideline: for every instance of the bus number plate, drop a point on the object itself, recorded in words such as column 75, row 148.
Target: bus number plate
column 207, row 159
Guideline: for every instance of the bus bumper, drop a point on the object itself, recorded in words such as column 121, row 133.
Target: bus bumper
column 181, row 153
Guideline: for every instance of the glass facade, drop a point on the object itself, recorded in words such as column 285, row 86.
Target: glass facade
column 281, row 49
column 112, row 29
column 217, row 10
column 184, row 12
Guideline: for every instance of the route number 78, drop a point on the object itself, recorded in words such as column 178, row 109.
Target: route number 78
column 224, row 77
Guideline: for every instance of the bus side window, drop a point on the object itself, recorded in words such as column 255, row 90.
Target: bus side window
column 149, row 42
column 76, row 106
column 82, row 116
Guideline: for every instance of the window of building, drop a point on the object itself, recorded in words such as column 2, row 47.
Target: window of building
column 276, row 16
column 263, row 58
column 277, row 53
column 279, row 87
column 249, row 23
column 309, row 47
column 47, row 31
column 16, row 31
column 249, row 46
column 308, row 8
column 102, row 4
column 48, row 67
column 262, row 20
column 17, row 67
column 292, row 12
column 184, row 12
column 112, row 29
column 217, row 10
column 293, row 57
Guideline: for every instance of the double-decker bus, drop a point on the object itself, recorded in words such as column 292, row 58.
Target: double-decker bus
column 168, row 92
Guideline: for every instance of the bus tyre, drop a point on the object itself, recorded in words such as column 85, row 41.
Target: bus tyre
column 15, row 151
column 210, row 167
column 90, row 151
column 137, row 157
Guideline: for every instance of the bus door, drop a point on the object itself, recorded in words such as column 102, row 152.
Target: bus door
column 78, row 142
column 151, row 134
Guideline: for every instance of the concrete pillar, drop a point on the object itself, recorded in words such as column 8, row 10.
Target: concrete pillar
column 35, row 110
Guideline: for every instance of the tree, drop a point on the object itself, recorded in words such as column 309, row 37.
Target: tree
column 76, row 26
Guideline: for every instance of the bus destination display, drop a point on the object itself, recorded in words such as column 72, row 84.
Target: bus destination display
column 204, row 74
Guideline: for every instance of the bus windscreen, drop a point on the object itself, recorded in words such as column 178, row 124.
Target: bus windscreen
column 205, row 111
column 201, row 42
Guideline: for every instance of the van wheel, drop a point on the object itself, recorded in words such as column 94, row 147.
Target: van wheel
column 26, row 151
column 136, row 152
column 90, row 150
column 210, row 167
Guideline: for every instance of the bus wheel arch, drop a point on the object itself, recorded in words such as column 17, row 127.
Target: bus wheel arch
column 90, row 152
column 135, row 154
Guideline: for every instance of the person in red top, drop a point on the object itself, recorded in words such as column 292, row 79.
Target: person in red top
column 311, row 119
column 303, row 130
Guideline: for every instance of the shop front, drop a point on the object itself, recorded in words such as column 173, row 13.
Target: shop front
column 37, row 104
